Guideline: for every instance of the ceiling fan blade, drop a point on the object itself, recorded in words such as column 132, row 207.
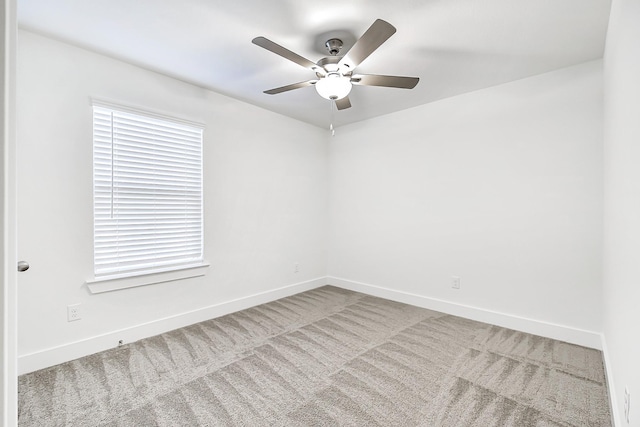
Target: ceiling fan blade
column 285, row 53
column 386, row 81
column 372, row 39
column 343, row 103
column 290, row 87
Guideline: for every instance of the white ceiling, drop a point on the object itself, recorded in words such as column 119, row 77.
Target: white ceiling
column 454, row 46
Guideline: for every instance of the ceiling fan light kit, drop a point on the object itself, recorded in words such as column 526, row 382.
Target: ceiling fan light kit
column 334, row 86
column 334, row 73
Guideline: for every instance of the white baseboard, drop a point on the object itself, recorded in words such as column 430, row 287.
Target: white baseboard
column 550, row 330
column 66, row 352
column 613, row 400
column 70, row 351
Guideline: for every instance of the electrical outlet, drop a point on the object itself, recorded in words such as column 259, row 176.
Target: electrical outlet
column 455, row 282
column 296, row 268
column 627, row 404
column 73, row 313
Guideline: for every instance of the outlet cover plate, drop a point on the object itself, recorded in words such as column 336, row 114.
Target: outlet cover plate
column 73, row 312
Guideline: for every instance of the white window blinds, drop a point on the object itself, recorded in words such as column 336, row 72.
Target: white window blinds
column 147, row 180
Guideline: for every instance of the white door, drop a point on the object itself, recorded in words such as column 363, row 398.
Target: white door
column 8, row 270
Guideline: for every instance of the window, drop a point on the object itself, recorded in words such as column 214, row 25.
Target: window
column 147, row 193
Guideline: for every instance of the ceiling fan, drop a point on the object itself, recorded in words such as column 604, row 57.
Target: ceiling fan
column 335, row 73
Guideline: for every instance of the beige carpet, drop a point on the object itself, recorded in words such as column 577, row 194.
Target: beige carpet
column 326, row 357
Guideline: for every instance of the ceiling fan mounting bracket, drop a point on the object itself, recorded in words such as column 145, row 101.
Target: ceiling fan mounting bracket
column 333, row 46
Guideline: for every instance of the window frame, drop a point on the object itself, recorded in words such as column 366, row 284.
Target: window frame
column 180, row 270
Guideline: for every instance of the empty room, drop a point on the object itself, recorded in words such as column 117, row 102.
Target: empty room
column 289, row 213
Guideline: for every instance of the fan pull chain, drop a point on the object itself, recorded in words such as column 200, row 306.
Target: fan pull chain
column 332, row 106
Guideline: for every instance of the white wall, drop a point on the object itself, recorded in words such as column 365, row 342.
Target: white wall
column 622, row 202
column 502, row 187
column 265, row 202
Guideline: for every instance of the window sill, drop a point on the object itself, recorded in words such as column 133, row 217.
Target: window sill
column 108, row 284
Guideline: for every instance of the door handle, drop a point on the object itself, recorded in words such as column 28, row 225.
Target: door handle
column 23, row 266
